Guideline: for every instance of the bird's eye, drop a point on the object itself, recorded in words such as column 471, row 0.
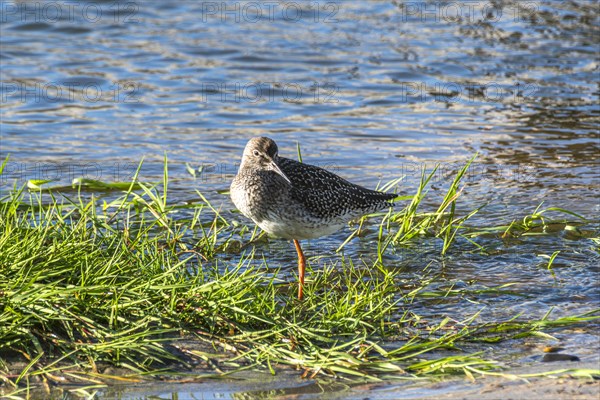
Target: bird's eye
column 256, row 153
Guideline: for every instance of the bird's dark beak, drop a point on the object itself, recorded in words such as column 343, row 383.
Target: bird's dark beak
column 276, row 168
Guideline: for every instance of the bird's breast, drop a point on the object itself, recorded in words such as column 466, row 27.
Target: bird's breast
column 257, row 193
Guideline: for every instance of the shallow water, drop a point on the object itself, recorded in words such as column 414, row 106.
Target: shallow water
column 371, row 90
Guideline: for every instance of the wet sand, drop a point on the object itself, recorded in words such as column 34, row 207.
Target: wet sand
column 494, row 388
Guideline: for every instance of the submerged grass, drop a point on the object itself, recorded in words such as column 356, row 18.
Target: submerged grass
column 88, row 286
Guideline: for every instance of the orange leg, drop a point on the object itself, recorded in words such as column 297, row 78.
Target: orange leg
column 301, row 268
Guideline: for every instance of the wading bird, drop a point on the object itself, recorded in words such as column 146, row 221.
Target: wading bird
column 296, row 201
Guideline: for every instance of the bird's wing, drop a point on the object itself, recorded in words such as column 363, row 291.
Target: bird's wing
column 325, row 194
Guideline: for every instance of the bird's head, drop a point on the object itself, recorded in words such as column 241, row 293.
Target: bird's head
column 262, row 153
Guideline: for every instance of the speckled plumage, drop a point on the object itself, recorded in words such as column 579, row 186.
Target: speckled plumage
column 294, row 200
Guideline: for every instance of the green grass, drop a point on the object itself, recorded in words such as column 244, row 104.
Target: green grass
column 87, row 284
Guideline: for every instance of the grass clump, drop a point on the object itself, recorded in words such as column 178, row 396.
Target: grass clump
column 87, row 286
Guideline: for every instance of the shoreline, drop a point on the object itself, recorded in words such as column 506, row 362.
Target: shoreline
column 288, row 383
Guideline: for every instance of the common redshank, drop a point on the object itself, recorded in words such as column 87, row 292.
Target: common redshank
column 296, row 201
